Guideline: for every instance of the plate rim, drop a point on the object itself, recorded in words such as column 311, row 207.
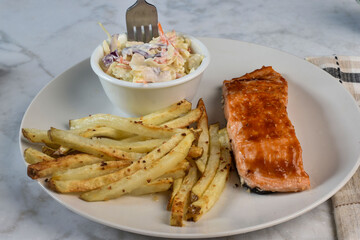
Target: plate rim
column 193, row 235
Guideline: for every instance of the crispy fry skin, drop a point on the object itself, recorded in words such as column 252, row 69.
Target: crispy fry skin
column 211, row 166
column 158, row 185
column 70, row 140
column 46, row 168
column 37, row 136
column 88, row 171
column 167, row 114
column 34, row 156
column 181, row 200
column 204, row 138
column 268, row 154
column 140, row 147
column 175, row 189
column 179, row 171
column 185, row 120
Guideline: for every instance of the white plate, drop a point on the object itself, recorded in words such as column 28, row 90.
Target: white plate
column 324, row 114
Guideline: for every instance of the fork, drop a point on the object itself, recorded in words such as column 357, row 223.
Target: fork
column 141, row 21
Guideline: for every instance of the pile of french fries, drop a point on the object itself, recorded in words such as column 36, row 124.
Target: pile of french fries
column 103, row 156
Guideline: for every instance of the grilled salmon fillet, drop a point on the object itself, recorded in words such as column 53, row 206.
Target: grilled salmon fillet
column 267, row 152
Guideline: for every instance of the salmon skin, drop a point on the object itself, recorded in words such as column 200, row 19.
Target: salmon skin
column 267, row 152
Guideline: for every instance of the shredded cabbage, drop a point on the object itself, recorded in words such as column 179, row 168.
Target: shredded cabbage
column 164, row 58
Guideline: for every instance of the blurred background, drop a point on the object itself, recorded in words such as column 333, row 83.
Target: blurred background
column 303, row 28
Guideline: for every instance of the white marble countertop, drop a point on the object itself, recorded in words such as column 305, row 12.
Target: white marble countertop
column 41, row 39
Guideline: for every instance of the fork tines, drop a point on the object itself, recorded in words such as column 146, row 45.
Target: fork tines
column 141, row 22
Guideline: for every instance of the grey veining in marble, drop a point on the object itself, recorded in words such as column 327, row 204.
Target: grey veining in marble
column 40, row 39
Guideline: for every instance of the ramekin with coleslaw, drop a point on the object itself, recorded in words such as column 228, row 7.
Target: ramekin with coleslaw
column 164, row 58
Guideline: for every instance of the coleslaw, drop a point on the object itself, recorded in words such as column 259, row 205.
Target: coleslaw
column 164, row 58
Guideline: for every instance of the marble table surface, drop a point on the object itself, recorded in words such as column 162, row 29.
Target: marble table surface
column 40, row 39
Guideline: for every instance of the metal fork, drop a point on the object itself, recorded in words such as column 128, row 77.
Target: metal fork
column 141, row 21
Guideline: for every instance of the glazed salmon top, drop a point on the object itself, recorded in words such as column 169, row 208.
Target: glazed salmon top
column 267, row 151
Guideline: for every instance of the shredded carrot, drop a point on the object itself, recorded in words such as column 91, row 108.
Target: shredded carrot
column 161, row 31
column 163, row 37
column 167, row 41
column 123, row 66
column 122, row 60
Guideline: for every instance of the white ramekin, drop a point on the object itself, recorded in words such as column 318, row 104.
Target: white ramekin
column 136, row 99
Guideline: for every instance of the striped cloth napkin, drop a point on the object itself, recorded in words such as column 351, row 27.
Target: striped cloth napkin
column 346, row 202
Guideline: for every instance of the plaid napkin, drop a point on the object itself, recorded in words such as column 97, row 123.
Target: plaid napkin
column 346, row 202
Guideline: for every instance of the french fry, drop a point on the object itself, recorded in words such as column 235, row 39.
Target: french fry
column 90, row 121
column 46, row 168
column 179, row 171
column 37, row 136
column 185, row 120
column 142, row 176
column 175, row 189
column 181, row 200
column 225, row 143
column 33, row 156
column 203, row 140
column 97, row 182
column 140, row 147
column 99, row 131
column 41, row 136
column 132, row 126
column 82, row 144
column 167, row 114
column 89, row 171
column 96, row 131
column 217, row 185
column 134, row 139
column 158, row 185
column 211, row 166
